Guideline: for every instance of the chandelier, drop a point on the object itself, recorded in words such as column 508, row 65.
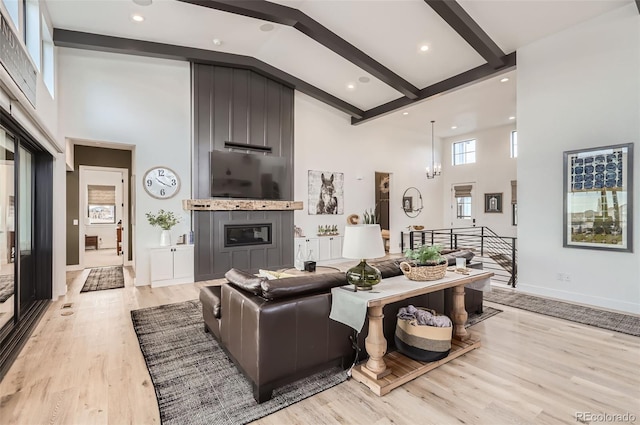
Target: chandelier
column 436, row 169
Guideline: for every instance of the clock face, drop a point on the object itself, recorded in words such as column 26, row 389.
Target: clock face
column 161, row 182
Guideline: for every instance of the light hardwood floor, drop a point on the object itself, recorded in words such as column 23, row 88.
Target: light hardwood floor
column 87, row 368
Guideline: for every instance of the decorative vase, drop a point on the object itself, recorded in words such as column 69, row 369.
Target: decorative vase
column 165, row 238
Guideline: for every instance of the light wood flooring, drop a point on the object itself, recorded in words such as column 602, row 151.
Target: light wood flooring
column 87, row 368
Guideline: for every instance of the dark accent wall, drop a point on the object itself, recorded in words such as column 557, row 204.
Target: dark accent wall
column 96, row 157
column 240, row 106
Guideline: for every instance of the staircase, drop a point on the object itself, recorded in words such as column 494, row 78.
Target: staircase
column 497, row 253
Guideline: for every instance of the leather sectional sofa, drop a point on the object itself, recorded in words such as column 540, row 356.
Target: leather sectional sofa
column 278, row 331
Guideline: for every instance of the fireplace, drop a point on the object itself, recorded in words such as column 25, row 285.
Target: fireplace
column 247, row 234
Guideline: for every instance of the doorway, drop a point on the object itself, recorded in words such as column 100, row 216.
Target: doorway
column 463, row 205
column 103, row 216
column 382, row 191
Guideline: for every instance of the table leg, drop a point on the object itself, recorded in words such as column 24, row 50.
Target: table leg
column 376, row 345
column 459, row 314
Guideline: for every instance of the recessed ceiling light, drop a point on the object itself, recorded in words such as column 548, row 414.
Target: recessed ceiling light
column 364, row 79
column 137, row 18
column 504, row 80
column 217, row 42
column 405, row 113
column 424, row 48
column 143, row 2
column 512, row 117
column 453, row 127
column 266, row 27
column 351, row 86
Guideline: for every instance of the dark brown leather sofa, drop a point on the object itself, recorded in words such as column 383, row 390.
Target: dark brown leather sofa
column 278, row 331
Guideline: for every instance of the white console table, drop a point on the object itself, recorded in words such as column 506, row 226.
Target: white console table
column 171, row 265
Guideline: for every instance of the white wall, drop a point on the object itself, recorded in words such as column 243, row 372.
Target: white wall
column 325, row 140
column 579, row 88
column 492, row 173
column 135, row 101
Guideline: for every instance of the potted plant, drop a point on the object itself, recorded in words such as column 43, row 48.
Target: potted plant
column 428, row 263
column 165, row 220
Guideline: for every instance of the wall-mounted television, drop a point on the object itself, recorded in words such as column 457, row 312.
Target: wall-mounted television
column 248, row 175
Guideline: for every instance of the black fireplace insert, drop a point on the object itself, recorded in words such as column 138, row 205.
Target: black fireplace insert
column 247, row 234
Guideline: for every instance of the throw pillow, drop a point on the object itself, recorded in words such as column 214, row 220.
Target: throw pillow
column 271, row 275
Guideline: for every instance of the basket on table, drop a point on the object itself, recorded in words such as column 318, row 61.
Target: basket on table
column 423, row 273
column 424, row 343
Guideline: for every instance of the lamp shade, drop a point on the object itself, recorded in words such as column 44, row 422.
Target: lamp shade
column 362, row 242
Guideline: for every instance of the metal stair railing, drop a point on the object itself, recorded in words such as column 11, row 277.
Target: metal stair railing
column 497, row 253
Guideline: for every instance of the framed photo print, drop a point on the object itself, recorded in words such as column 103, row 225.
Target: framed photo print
column 407, row 203
column 598, row 198
column 493, row 202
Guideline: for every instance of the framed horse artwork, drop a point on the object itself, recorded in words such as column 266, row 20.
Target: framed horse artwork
column 326, row 192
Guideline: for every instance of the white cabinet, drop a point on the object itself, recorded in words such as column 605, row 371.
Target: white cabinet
column 171, row 265
column 307, row 245
column 323, row 248
column 330, row 247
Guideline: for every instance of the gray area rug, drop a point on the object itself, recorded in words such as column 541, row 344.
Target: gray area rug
column 104, row 278
column 476, row 318
column 613, row 321
column 194, row 380
column 6, row 287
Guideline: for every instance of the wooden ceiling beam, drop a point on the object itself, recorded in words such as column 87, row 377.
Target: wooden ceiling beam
column 104, row 43
column 284, row 15
column 456, row 82
column 458, row 19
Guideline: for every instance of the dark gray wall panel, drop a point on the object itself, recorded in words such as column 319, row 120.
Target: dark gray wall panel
column 239, row 106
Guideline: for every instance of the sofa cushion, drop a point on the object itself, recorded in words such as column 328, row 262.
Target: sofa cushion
column 463, row 253
column 299, row 285
column 245, row 281
column 388, row 268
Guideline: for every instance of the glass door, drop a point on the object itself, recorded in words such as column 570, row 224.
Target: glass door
column 7, row 228
column 27, row 287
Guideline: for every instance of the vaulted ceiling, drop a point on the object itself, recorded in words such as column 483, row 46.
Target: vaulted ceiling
column 367, row 58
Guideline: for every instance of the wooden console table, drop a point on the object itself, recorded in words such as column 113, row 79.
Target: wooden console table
column 384, row 373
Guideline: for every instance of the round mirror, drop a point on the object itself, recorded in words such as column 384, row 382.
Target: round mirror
column 412, row 202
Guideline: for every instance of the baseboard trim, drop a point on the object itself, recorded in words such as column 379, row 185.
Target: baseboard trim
column 587, row 300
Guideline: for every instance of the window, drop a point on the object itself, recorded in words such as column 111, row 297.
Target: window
column 514, row 202
column 464, row 152
column 47, row 58
column 463, row 207
column 462, row 195
column 32, row 30
column 514, row 144
column 101, row 204
column 13, row 8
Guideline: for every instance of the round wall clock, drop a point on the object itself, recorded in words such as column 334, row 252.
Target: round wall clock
column 161, row 182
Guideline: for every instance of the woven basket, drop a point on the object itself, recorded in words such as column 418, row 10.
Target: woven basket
column 423, row 273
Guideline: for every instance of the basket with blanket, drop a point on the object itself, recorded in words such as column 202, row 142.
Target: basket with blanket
column 422, row 334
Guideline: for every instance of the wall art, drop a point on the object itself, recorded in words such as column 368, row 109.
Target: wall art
column 493, row 202
column 598, row 198
column 326, row 192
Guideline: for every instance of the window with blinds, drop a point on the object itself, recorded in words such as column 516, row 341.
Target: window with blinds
column 463, row 201
column 101, row 202
column 514, row 202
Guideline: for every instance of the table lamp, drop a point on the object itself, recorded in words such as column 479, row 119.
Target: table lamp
column 362, row 242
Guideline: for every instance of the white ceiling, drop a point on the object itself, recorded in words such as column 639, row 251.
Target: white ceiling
column 390, row 31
